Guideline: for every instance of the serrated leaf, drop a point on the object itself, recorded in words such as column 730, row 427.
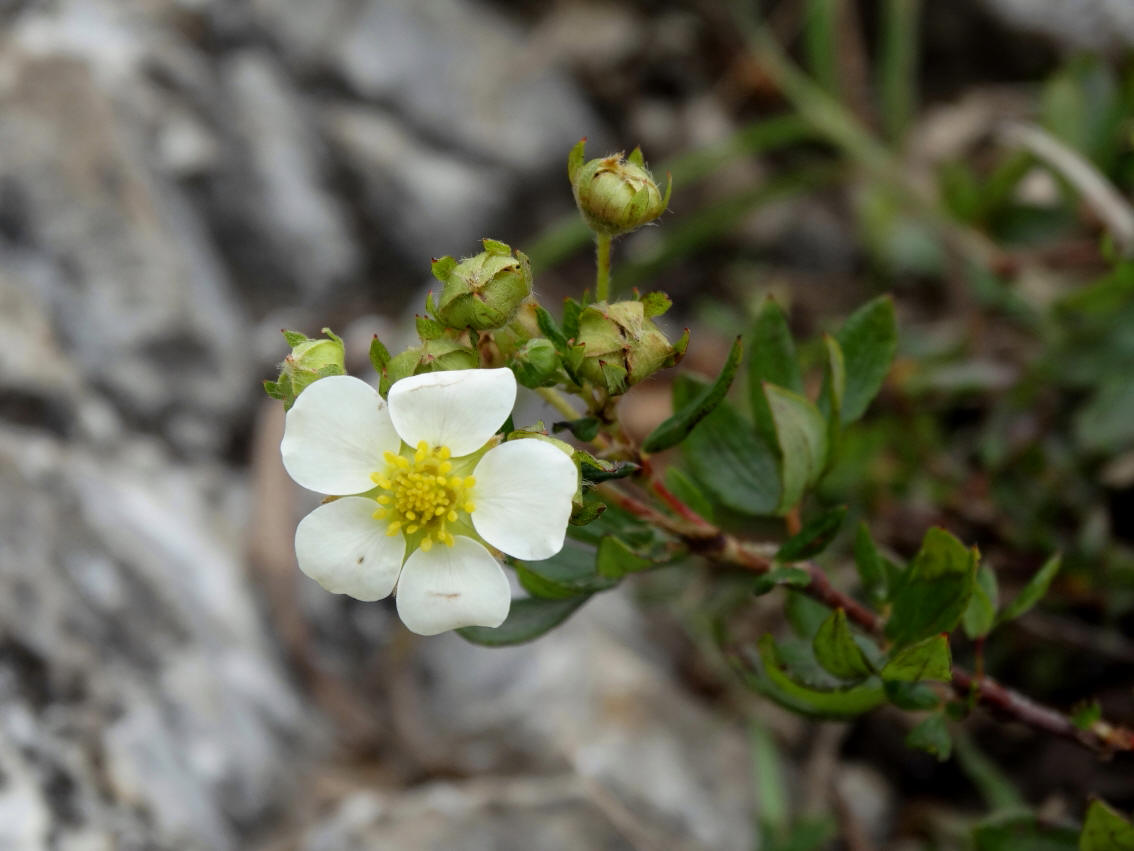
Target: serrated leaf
column 816, row 534
column 728, row 459
column 868, row 339
column 1032, row 592
column 933, row 593
column 770, row 680
column 569, row 573
column 584, row 428
column 871, row 567
column 528, row 619
column 927, row 660
column 777, row 576
column 801, row 433
column 615, row 559
column 836, row 650
column 686, row 417
column 1106, row 830
column 980, row 616
column 932, row 736
column 771, row 360
column 379, row 354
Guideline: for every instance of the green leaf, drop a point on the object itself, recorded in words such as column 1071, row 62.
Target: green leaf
column 805, row 614
column 801, row 433
column 771, row 359
column 687, row 490
column 816, row 534
column 926, row 660
column 1035, row 589
column 914, row 697
column 1022, row 832
column 1085, row 715
column 551, row 330
column 569, row 573
column 686, row 417
column 836, row 650
column 833, row 392
column 1106, row 830
column 980, row 616
column 777, row 576
column 932, row 736
column 584, row 428
column 729, row 460
column 868, row 339
column 933, row 593
column 871, row 567
column 616, row 559
column 771, row 681
column 379, row 354
column 528, row 619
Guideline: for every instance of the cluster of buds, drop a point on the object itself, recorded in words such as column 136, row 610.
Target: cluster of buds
column 615, row 194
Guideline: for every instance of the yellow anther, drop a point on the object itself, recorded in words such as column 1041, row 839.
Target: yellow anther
column 420, row 496
column 413, row 527
column 470, row 506
column 389, row 457
column 384, row 500
column 451, row 517
column 470, row 481
column 440, row 512
column 427, row 543
column 445, row 467
column 443, row 453
column 394, row 528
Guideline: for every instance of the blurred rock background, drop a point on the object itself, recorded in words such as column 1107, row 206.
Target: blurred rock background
column 179, row 179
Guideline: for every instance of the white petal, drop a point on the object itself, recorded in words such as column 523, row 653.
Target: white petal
column 523, row 497
column 335, row 434
column 450, row 587
column 342, row 547
column 460, row 409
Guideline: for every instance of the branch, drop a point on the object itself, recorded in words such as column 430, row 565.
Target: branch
column 710, row 542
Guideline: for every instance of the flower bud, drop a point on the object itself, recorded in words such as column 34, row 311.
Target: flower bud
column 622, row 345
column 310, row 360
column 484, row 291
column 535, row 363
column 615, row 194
column 445, row 354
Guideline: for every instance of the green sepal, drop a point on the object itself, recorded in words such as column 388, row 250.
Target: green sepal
column 637, row 157
column 294, row 338
column 614, row 377
column 655, row 304
column 571, row 312
column 272, row 388
column 595, row 470
column 575, row 158
column 401, row 365
column 588, row 511
column 495, row 246
column 816, row 534
column 528, row 619
column 429, row 329
column 379, row 355
column 686, row 417
column 442, row 268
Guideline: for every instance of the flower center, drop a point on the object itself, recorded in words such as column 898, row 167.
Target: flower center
column 421, row 496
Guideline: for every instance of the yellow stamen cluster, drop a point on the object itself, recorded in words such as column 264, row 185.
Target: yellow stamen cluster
column 422, row 495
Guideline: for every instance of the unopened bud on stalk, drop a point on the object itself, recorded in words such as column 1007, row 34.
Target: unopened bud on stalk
column 615, row 194
column 535, row 363
column 622, row 345
column 311, row 358
column 483, row 292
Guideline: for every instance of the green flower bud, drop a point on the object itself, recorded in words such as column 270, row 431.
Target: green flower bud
column 622, row 345
column 310, row 359
column 615, row 194
column 444, row 354
column 535, row 363
column 484, row 291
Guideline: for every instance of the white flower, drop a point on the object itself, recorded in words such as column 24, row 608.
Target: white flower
column 421, row 476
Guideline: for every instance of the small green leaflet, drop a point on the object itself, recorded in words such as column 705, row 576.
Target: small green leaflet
column 836, row 650
column 814, row 537
column 932, row 736
column 868, row 339
column 933, row 593
column 1035, row 589
column 926, row 660
column 801, row 433
column 684, row 420
column 777, row 576
column 980, row 616
column 771, row 359
column 1106, row 830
